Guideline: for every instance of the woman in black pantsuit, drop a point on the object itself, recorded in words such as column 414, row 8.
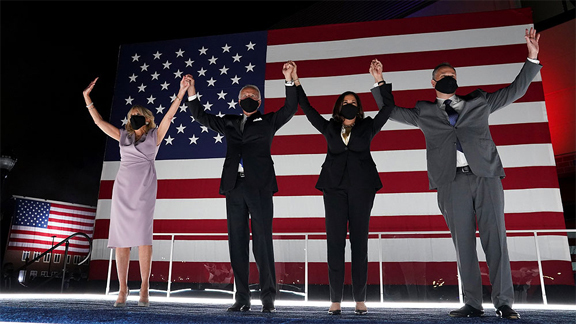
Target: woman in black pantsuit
column 349, row 181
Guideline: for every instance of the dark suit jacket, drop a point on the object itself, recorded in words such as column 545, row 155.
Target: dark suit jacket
column 252, row 145
column 355, row 158
column 471, row 129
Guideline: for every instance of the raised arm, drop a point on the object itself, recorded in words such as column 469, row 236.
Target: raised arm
column 383, row 97
column 284, row 114
column 105, row 126
column 213, row 122
column 519, row 86
column 313, row 116
column 167, row 120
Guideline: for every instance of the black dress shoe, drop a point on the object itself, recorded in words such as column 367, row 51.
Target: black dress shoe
column 239, row 307
column 506, row 311
column 467, row 311
column 268, row 308
column 360, row 311
column 335, row 312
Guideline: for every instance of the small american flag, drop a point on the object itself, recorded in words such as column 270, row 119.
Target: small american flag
column 39, row 223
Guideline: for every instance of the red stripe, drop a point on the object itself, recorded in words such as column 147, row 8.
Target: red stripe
column 412, row 139
column 86, row 209
column 55, row 224
column 405, row 61
column 394, row 273
column 514, row 221
column 80, row 217
column 403, row 98
column 304, row 185
column 68, row 229
column 400, row 26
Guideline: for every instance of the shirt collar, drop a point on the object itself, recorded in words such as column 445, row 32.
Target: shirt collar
column 455, row 99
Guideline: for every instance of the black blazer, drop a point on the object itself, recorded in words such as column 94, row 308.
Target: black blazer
column 253, row 145
column 355, row 158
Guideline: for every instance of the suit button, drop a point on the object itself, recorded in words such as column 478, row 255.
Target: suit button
column 345, row 149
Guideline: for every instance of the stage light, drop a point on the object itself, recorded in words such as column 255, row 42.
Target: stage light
column 7, row 162
column 21, row 276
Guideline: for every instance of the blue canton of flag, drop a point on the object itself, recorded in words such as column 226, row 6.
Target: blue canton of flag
column 32, row 213
column 149, row 74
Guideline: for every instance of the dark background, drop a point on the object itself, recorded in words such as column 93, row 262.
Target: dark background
column 50, row 51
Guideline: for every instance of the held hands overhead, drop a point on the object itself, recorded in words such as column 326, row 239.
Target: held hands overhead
column 376, row 70
column 288, row 69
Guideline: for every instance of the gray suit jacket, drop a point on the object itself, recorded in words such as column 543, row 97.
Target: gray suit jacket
column 471, row 129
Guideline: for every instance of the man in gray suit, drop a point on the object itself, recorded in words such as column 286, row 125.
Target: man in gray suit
column 464, row 166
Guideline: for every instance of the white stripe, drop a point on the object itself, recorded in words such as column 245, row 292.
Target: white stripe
column 73, row 228
column 72, row 219
column 47, row 231
column 401, row 80
column 72, row 211
column 516, row 113
column 44, row 238
column 521, row 248
column 380, row 45
column 395, row 204
column 309, row 164
column 47, row 246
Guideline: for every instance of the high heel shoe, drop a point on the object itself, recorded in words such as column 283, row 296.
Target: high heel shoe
column 143, row 303
column 117, row 304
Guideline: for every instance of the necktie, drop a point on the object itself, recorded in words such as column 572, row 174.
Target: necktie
column 242, row 123
column 453, row 117
column 452, row 114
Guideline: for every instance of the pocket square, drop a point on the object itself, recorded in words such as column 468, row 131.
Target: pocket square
column 257, row 119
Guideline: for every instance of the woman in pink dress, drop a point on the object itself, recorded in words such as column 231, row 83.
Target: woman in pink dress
column 134, row 191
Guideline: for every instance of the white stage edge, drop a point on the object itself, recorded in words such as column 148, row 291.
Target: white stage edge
column 279, row 303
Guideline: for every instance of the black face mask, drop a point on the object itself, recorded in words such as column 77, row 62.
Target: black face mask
column 249, row 105
column 137, row 121
column 349, row 111
column 446, row 85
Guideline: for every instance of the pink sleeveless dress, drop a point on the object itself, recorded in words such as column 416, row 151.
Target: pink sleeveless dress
column 134, row 192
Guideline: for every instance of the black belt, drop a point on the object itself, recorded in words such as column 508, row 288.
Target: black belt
column 464, row 169
column 241, row 174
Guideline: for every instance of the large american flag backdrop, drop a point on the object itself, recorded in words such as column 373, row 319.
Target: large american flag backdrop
column 487, row 49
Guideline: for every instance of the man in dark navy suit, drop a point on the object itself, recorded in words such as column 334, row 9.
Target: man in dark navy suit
column 249, row 182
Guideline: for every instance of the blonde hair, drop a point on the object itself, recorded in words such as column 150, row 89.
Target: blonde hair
column 144, row 112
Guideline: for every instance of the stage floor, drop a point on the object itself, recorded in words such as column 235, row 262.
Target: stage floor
column 94, row 308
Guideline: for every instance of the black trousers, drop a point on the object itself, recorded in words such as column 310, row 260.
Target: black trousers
column 244, row 204
column 348, row 209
